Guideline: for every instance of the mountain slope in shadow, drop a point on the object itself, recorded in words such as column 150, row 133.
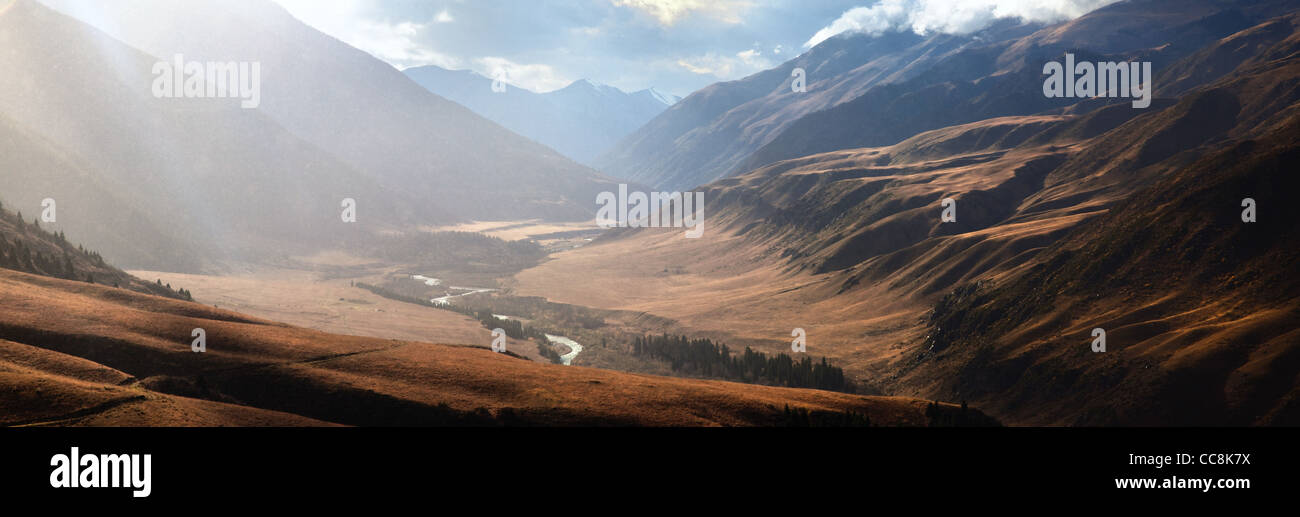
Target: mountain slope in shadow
column 1005, row 78
column 1201, row 310
column 1106, row 217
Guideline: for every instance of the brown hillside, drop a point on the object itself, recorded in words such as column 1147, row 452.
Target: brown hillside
column 850, row 246
column 74, row 353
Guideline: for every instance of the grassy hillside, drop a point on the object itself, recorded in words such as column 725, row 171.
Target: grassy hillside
column 1201, row 309
column 1066, row 221
column 95, row 349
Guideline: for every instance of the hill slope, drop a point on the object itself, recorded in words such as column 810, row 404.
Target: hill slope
column 1200, row 309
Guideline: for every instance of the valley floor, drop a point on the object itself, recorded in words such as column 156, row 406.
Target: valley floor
column 78, row 353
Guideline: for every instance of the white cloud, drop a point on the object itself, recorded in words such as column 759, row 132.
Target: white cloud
column 950, row 16
column 668, row 12
column 535, row 77
column 751, row 56
column 347, row 20
column 724, row 67
column 444, row 17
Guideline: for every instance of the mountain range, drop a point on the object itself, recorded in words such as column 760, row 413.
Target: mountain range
column 582, row 120
column 1069, row 217
column 1166, row 230
column 878, row 89
column 180, row 183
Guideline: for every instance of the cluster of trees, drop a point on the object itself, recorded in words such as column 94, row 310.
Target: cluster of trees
column 556, row 315
column 23, row 252
column 513, row 328
column 705, row 358
column 547, row 351
column 472, row 251
column 19, row 255
column 184, row 293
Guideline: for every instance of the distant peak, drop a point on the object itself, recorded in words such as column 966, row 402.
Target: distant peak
column 586, row 84
column 667, row 98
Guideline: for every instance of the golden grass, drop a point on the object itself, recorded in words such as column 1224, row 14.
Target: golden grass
column 145, row 336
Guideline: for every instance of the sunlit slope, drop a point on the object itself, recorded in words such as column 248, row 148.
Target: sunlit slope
column 441, row 161
column 42, row 387
column 165, row 183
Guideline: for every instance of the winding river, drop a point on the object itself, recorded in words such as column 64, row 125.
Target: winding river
column 574, row 348
column 445, row 300
column 566, row 359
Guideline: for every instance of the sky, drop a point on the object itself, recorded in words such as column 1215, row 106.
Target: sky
column 675, row 46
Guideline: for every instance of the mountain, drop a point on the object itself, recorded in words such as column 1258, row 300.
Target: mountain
column 1009, row 72
column 1197, row 311
column 160, row 183
column 1096, row 215
column 442, row 160
column 581, row 121
column 704, row 137
column 876, row 90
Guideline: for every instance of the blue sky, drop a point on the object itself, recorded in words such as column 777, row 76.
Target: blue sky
column 676, row 46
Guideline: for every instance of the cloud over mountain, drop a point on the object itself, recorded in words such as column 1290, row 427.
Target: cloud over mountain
column 950, row 16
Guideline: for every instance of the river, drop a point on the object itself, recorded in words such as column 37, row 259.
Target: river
column 574, row 348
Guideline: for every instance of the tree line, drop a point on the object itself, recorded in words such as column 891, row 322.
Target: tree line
column 705, row 358
column 22, row 251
